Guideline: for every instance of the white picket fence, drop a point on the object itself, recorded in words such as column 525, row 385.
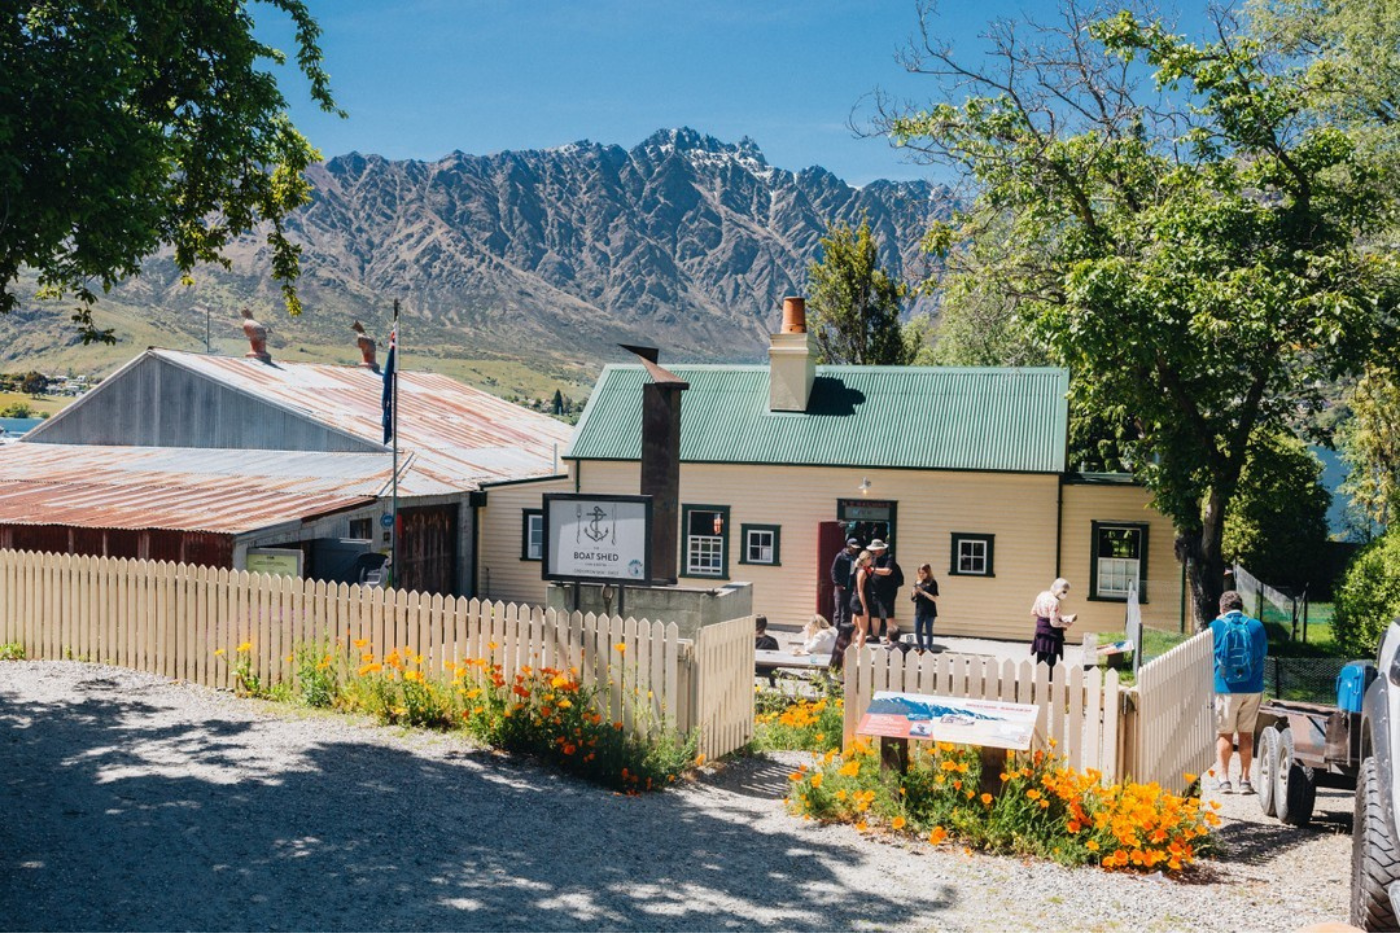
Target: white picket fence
column 1079, row 710
column 169, row 619
column 1172, row 727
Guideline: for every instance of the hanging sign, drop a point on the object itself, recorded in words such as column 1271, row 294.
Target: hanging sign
column 600, row 539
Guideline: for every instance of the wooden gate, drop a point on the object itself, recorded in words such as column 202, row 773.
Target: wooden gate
column 1173, row 729
column 427, row 551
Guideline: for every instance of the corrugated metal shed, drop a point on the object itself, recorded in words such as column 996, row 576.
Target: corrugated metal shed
column 190, row 490
column 460, row 436
column 930, row 418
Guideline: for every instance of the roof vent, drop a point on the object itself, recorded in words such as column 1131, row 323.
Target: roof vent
column 257, row 338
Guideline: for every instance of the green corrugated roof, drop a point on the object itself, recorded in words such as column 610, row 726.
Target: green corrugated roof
column 919, row 417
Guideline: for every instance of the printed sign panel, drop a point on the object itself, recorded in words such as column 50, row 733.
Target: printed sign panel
column 950, row 719
column 283, row 561
column 601, row 539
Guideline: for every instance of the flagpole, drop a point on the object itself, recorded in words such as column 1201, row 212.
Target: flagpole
column 394, row 424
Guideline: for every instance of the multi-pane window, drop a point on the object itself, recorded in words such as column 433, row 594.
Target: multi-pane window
column 972, row 555
column 362, row 528
column 760, row 545
column 1120, row 559
column 703, row 530
column 532, row 535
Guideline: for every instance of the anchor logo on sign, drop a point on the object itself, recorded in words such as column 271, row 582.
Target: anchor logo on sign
column 595, row 531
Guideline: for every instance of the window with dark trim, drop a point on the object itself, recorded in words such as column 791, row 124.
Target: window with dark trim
column 972, row 555
column 532, row 534
column 1118, row 560
column 362, row 529
column 760, row 544
column 704, row 533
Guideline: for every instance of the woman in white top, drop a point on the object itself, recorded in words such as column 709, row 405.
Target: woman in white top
column 818, row 637
column 1048, row 646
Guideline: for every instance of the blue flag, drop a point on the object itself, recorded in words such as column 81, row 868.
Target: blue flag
column 387, row 403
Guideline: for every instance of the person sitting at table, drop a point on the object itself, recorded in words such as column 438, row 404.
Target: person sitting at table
column 762, row 641
column 818, row 637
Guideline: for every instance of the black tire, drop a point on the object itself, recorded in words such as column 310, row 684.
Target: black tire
column 1295, row 791
column 1265, row 766
column 1375, row 860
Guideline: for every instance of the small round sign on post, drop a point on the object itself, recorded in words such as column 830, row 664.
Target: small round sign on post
column 387, row 520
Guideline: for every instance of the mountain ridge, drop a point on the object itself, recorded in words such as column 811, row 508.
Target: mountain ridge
column 683, row 240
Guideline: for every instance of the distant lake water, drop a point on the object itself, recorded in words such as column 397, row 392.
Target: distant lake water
column 1334, row 470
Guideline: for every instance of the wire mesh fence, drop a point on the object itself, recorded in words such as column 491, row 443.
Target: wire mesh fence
column 1306, row 680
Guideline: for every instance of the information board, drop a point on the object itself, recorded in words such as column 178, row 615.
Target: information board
column 991, row 723
column 276, row 561
column 597, row 539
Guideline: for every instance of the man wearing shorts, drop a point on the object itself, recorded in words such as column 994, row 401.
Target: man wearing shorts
column 1241, row 645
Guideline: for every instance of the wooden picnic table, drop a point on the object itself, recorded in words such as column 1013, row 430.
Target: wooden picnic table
column 772, row 660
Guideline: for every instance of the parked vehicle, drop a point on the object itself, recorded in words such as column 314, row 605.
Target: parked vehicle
column 1302, row 746
column 1375, row 855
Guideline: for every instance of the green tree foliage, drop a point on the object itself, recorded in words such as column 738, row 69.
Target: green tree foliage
column 1192, row 255
column 854, row 305
column 34, row 383
column 1277, row 528
column 1369, row 595
column 1370, row 444
column 131, row 125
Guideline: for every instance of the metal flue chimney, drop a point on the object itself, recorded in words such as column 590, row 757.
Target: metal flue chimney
column 661, row 461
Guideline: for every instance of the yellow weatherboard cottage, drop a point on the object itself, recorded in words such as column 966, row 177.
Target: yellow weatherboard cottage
column 960, row 468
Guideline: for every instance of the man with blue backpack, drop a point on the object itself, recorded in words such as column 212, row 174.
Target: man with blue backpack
column 1241, row 644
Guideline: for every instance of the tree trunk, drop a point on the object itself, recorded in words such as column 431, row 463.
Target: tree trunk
column 1205, row 564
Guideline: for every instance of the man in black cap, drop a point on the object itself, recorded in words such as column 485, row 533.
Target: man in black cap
column 886, row 579
column 841, row 581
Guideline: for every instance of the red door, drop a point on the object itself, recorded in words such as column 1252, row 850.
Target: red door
column 831, row 539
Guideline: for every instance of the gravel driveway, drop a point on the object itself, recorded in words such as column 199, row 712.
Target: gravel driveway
column 130, row 802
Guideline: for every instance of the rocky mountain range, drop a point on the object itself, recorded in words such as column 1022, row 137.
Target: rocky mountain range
column 684, row 241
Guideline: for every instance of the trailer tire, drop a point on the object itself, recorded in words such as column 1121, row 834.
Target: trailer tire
column 1265, row 765
column 1375, row 857
column 1295, row 790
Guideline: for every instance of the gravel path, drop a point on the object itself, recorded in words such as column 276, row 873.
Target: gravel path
column 130, row 802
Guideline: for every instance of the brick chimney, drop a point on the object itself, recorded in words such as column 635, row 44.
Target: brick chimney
column 792, row 360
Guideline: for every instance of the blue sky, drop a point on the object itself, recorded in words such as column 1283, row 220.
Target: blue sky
column 421, row 78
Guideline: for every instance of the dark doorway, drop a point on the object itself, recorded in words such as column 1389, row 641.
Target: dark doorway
column 831, row 540
column 427, row 552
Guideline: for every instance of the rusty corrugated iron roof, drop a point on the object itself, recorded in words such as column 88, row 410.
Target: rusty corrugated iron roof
column 461, row 436
column 224, row 491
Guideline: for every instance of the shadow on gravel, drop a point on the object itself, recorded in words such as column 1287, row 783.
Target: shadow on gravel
column 110, row 823
column 1261, row 838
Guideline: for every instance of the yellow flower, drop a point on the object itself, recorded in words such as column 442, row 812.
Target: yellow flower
column 1092, row 846
column 413, row 675
column 246, row 646
column 987, row 799
column 1190, row 778
column 218, row 652
column 841, row 796
column 862, row 826
column 360, row 642
column 937, row 835
column 897, row 823
column 291, row 658
column 850, row 768
column 817, row 780
column 620, row 647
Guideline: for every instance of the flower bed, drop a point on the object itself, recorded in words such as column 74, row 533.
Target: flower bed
column 545, row 712
column 1043, row 808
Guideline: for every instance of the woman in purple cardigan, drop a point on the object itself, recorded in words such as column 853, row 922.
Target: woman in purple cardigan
column 1048, row 645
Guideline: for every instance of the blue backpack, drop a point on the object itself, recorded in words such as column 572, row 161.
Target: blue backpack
column 1236, row 652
